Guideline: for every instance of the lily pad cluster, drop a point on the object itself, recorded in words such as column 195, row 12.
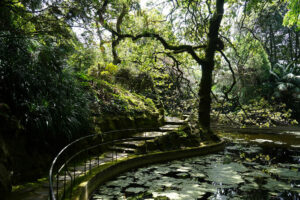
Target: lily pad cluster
column 226, row 175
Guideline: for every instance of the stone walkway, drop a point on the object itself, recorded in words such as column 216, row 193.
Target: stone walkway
column 117, row 151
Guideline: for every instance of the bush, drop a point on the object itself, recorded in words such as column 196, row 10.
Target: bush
column 40, row 89
column 124, row 76
column 258, row 113
column 114, row 99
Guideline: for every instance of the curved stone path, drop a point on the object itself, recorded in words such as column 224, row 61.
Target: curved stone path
column 120, row 150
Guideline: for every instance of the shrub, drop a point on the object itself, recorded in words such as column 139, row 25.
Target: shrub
column 40, row 89
column 258, row 113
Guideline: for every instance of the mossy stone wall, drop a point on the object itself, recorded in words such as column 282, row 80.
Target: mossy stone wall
column 110, row 123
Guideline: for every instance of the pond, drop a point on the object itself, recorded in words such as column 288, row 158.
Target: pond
column 251, row 167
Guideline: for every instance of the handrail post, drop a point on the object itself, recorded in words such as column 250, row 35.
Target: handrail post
column 116, row 155
column 65, row 176
column 84, row 167
column 57, row 184
column 90, row 163
column 54, row 178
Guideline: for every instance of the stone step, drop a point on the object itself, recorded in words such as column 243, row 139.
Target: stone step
column 180, row 122
column 122, row 149
column 169, row 127
column 112, row 155
column 185, row 117
column 172, row 119
column 130, row 144
column 150, row 135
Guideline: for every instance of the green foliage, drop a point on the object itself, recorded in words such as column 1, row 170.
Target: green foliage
column 292, row 17
column 82, row 58
column 287, row 80
column 111, row 68
column 124, row 77
column 113, row 99
column 286, row 84
column 47, row 74
column 259, row 113
column 40, row 89
column 251, row 66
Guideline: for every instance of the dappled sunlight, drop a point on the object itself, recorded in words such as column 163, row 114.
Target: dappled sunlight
column 242, row 170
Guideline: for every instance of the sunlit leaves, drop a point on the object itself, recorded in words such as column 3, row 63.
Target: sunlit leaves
column 259, row 113
column 292, row 17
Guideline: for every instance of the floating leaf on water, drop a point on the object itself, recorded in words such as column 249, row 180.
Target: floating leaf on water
column 249, row 187
column 254, row 174
column 135, row 189
column 180, row 179
column 197, row 175
column 285, row 173
column 262, row 140
column 252, row 149
column 183, row 175
column 274, row 185
column 225, row 173
column 102, row 197
column 120, row 183
column 183, row 169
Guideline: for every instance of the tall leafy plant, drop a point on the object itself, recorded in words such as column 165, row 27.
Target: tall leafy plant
column 41, row 89
column 286, row 79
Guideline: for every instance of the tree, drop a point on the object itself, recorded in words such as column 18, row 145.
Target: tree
column 37, row 83
column 195, row 31
column 206, row 60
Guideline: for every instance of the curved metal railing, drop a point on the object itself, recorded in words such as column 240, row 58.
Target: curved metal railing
column 63, row 171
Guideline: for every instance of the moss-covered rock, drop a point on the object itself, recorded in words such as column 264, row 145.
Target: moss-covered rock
column 110, row 123
column 117, row 108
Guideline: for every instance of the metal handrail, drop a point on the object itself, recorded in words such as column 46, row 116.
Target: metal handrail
column 77, row 153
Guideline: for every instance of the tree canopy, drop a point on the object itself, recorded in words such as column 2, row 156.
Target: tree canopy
column 202, row 52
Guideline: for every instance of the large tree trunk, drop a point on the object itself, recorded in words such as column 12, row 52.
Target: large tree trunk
column 214, row 43
column 205, row 98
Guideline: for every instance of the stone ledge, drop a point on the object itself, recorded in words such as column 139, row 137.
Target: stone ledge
column 85, row 189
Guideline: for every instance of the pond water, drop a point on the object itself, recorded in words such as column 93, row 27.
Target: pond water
column 256, row 168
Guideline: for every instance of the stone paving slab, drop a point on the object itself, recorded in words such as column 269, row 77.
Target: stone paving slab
column 173, row 119
column 151, row 134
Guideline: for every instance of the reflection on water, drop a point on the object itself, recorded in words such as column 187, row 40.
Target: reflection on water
column 251, row 167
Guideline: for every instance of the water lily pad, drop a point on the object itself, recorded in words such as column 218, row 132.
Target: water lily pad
column 249, row 187
column 120, row 183
column 295, row 146
column 252, row 149
column 184, row 169
column 256, row 174
column 225, row 173
column 135, row 189
column 183, row 175
column 286, row 173
column 102, row 197
column 274, row 185
column 162, row 170
column 235, row 147
column 262, row 141
column 197, row 175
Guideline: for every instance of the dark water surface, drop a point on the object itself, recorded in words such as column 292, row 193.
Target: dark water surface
column 252, row 166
